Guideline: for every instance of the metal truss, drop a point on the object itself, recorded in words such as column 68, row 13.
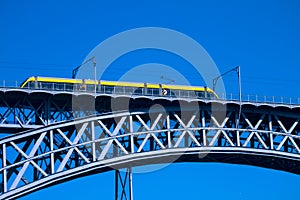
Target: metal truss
column 23, row 109
column 123, row 184
column 63, row 151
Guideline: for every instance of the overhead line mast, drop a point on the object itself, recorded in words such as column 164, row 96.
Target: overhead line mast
column 238, row 70
column 76, row 69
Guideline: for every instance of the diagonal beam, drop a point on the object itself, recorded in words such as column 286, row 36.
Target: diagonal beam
column 186, row 129
column 105, row 128
column 33, row 151
column 105, row 150
column 28, row 158
column 283, row 127
column 119, row 126
column 73, row 144
column 257, row 124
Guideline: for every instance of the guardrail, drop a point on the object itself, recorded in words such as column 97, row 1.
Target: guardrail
column 122, row 90
column 10, row 84
column 261, row 99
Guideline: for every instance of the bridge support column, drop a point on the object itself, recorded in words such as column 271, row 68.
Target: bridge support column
column 123, row 185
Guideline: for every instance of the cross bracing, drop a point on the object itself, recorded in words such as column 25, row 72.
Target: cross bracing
column 259, row 136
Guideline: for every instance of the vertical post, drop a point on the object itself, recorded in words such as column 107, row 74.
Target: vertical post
column 52, row 154
column 169, row 132
column 123, row 183
column 240, row 95
column 48, row 111
column 93, row 141
column 95, row 75
column 116, row 184
column 4, row 176
column 240, row 83
column 238, row 141
column 95, row 84
column 131, row 135
column 130, row 184
column 35, row 171
column 271, row 132
column 203, row 127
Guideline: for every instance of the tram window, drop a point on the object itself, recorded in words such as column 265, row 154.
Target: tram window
column 76, row 87
column 155, row 91
column 68, row 87
column 46, row 85
column 29, row 85
column 102, row 88
column 127, row 90
column 192, row 94
column 88, row 87
column 210, row 95
column 201, row 94
column 58, row 86
column 138, row 91
column 174, row 93
column 108, row 89
column 119, row 89
column 42, row 85
column 184, row 93
column 149, row 91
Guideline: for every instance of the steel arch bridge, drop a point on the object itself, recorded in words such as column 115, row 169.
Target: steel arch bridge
column 62, row 141
column 265, row 135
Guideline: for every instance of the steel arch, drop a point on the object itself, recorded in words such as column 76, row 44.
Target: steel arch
column 63, row 151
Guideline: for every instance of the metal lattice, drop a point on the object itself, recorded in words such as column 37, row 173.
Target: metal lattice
column 23, row 109
column 66, row 150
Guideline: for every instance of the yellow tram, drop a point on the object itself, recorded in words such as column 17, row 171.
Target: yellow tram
column 117, row 87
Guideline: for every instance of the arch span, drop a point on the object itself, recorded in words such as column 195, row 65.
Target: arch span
column 63, row 151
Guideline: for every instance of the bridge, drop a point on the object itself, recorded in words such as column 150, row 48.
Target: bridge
column 52, row 136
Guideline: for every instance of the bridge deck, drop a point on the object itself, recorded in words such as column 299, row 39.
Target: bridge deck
column 23, row 109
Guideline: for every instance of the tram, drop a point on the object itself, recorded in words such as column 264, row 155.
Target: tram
column 117, row 87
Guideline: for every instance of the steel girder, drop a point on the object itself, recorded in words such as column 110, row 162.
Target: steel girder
column 123, row 184
column 23, row 109
column 63, row 151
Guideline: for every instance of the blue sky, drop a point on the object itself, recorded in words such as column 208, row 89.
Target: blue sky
column 50, row 38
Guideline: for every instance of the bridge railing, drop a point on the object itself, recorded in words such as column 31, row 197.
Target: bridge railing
column 261, row 99
column 122, row 90
column 10, row 84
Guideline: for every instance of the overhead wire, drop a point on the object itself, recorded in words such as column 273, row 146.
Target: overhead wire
column 117, row 71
